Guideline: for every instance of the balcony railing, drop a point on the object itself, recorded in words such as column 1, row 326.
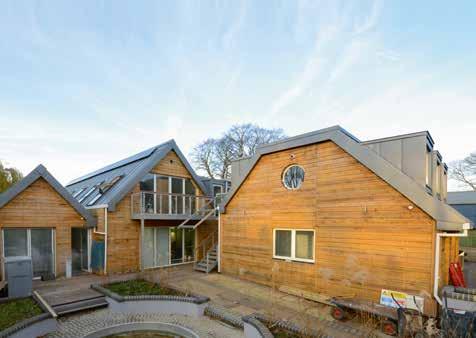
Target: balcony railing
column 150, row 203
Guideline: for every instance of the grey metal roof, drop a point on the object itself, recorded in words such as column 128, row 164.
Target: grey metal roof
column 41, row 171
column 132, row 170
column 461, row 197
column 398, row 137
column 447, row 217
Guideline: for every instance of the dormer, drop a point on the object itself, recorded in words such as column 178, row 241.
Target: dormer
column 414, row 155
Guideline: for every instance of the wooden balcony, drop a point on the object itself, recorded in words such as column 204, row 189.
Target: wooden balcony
column 152, row 205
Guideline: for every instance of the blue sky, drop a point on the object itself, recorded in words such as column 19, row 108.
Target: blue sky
column 85, row 83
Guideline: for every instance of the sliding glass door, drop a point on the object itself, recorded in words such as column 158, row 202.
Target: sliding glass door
column 167, row 246
column 38, row 243
column 167, row 195
column 42, row 252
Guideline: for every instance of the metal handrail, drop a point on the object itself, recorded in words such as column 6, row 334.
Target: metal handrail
column 213, row 237
column 149, row 202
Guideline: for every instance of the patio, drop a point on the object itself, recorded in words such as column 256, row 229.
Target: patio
column 236, row 296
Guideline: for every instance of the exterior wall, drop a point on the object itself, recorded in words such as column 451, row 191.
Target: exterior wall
column 40, row 206
column 124, row 233
column 123, row 246
column 366, row 238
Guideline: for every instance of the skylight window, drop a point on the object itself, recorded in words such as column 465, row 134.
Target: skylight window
column 77, row 193
column 95, row 199
column 90, row 191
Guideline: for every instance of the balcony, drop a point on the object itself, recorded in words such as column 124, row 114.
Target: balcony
column 151, row 205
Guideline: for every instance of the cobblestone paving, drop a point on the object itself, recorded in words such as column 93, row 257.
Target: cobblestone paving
column 83, row 324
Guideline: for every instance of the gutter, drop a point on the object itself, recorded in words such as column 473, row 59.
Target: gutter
column 105, row 207
column 436, row 278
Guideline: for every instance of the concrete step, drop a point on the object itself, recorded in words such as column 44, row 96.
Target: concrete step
column 81, row 305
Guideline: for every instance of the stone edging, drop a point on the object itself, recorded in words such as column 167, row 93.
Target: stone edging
column 118, row 298
column 261, row 329
column 26, row 322
column 224, row 315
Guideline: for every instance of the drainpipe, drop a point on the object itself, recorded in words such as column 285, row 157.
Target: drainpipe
column 101, row 206
column 439, row 235
column 219, row 240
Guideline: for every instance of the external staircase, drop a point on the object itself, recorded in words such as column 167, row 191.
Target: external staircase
column 209, row 262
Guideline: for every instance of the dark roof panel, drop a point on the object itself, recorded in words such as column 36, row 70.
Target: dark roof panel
column 132, row 169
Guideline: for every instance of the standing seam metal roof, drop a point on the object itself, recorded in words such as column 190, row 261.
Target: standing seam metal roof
column 133, row 170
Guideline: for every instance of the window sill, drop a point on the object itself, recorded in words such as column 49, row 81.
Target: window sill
column 291, row 260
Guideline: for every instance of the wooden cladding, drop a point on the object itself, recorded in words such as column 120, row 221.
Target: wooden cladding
column 367, row 237
column 40, row 206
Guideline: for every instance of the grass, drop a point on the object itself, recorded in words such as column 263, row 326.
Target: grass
column 17, row 310
column 140, row 287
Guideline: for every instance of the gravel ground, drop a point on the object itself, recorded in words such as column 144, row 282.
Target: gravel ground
column 83, row 324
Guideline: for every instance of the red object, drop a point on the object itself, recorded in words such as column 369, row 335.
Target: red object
column 456, row 275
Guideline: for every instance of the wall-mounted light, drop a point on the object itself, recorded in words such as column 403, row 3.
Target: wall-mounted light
column 410, row 207
column 292, row 157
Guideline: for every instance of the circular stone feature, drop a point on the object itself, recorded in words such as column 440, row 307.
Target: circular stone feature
column 143, row 329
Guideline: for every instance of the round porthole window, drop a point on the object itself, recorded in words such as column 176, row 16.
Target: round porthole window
column 293, row 177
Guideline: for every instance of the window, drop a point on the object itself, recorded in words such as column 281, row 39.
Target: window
column 76, row 194
column 37, row 243
column 293, row 177
column 428, row 169
column 90, row 191
column 438, row 178
column 95, row 199
column 296, row 245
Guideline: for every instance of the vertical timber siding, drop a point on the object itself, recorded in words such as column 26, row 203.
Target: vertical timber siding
column 366, row 237
column 124, row 232
column 40, row 206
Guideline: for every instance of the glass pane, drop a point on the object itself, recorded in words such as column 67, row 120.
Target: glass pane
column 216, row 190
column 162, row 195
column 176, row 245
column 15, row 241
column 84, row 249
column 42, row 252
column 293, row 177
column 149, row 247
column 283, row 243
column 190, row 201
column 189, row 244
column 147, row 185
column 177, row 200
column 162, row 246
column 304, row 241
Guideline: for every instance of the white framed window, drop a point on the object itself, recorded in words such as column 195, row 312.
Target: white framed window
column 293, row 176
column 438, row 178
column 428, row 167
column 294, row 244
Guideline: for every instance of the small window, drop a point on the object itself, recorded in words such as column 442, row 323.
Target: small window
column 428, row 169
column 296, row 245
column 95, row 199
column 90, row 191
column 293, row 177
column 76, row 194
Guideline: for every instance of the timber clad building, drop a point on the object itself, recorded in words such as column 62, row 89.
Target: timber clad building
column 328, row 214
column 320, row 213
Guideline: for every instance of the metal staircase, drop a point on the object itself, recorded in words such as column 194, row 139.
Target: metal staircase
column 200, row 216
column 209, row 262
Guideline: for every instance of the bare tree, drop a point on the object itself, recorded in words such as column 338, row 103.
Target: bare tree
column 8, row 177
column 464, row 171
column 214, row 156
